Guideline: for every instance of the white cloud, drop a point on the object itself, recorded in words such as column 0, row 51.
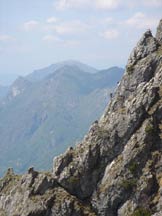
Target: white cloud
column 142, row 3
column 141, row 21
column 30, row 25
column 134, row 20
column 6, row 38
column 52, row 20
column 56, row 40
column 71, row 27
column 110, row 34
column 107, row 4
column 152, row 3
column 99, row 4
column 67, row 4
column 52, row 38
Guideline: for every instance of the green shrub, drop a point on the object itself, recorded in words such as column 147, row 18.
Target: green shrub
column 149, row 128
column 130, row 69
column 133, row 166
column 129, row 184
column 141, row 212
column 73, row 180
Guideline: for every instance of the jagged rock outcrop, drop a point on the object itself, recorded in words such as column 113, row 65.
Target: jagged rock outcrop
column 159, row 32
column 37, row 194
column 147, row 45
column 117, row 168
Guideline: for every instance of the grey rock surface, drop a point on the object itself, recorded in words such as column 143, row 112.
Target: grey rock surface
column 159, row 32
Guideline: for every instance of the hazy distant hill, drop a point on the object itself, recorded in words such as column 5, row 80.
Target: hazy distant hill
column 38, row 75
column 40, row 119
column 3, row 91
column 6, row 79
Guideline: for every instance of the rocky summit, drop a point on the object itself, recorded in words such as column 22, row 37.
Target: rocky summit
column 117, row 169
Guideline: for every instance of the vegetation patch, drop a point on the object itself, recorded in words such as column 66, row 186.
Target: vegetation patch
column 149, row 129
column 8, row 181
column 133, row 167
column 130, row 69
column 160, row 127
column 122, row 110
column 159, row 52
column 73, row 179
column 141, row 212
column 102, row 133
column 129, row 184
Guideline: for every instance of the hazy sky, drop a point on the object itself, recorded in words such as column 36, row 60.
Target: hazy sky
column 37, row 33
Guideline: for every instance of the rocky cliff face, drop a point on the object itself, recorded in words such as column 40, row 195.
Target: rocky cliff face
column 117, row 168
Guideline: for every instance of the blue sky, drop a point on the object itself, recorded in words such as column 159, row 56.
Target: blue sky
column 102, row 33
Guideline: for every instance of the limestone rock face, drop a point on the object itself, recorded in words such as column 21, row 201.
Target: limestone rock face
column 38, row 195
column 159, row 32
column 147, row 45
column 117, row 168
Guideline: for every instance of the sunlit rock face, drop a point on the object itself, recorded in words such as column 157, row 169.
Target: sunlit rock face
column 159, row 32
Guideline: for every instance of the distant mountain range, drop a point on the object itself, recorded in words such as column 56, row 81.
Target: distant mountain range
column 3, row 91
column 38, row 75
column 7, row 78
column 50, row 109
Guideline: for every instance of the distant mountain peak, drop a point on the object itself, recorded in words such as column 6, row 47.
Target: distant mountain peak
column 38, row 75
column 70, row 62
column 54, row 112
column 83, row 66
